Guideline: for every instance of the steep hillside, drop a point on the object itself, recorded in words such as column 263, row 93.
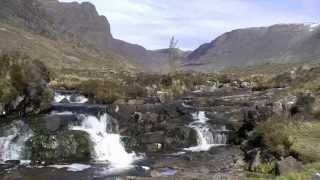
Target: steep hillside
column 83, row 22
column 59, row 55
column 77, row 24
column 283, row 43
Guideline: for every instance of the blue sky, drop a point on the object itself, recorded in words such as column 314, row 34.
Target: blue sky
column 151, row 23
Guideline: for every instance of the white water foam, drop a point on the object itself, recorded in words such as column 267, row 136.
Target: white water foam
column 78, row 99
column 108, row 146
column 72, row 167
column 207, row 138
column 12, row 142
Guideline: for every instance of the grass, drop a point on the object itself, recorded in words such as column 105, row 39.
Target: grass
column 306, row 141
column 309, row 171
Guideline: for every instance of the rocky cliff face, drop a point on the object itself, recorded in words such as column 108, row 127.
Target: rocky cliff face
column 82, row 21
column 78, row 23
column 279, row 43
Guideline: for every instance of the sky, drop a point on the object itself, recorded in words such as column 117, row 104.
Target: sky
column 151, row 23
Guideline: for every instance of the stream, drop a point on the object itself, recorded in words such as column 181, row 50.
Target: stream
column 109, row 156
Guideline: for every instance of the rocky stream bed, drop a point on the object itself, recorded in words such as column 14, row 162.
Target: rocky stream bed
column 200, row 136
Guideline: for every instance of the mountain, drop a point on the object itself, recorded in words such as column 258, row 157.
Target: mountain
column 78, row 24
column 84, row 22
column 282, row 43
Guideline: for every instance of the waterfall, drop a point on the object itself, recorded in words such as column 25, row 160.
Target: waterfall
column 207, row 136
column 108, row 146
column 77, row 99
column 12, row 141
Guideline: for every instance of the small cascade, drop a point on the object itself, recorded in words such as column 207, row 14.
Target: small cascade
column 12, row 141
column 107, row 145
column 207, row 136
column 70, row 98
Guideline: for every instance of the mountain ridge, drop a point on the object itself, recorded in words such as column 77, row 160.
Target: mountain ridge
column 280, row 43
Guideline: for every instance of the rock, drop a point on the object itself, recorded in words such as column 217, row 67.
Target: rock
column 285, row 104
column 256, row 162
column 164, row 96
column 2, row 110
column 49, row 124
column 64, row 101
column 288, row 165
column 5, row 167
column 68, row 146
column 135, row 102
column 17, row 102
column 180, row 137
column 153, row 137
column 155, row 174
column 13, row 162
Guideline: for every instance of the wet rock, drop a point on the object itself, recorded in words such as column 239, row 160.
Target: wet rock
column 13, row 162
column 5, row 167
column 68, row 146
column 64, row 101
column 180, row 137
column 15, row 103
column 153, row 137
column 49, row 124
column 2, row 110
column 288, row 165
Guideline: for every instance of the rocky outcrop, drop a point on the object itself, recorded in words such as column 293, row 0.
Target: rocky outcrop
column 157, row 127
column 283, row 43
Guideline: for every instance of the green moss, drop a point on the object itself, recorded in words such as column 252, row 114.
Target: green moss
column 265, row 168
column 68, row 146
column 285, row 136
column 307, row 174
column 306, row 141
column 275, row 136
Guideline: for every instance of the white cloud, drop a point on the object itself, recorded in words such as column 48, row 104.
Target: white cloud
column 152, row 22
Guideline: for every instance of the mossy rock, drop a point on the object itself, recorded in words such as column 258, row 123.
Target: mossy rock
column 265, row 168
column 68, row 146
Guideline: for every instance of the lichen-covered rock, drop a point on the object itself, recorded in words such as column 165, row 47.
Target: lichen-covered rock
column 68, row 146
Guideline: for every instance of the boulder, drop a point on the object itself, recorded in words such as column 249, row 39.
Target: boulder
column 180, row 137
column 68, row 146
column 288, row 165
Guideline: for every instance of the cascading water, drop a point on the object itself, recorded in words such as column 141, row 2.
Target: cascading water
column 12, row 141
column 107, row 145
column 77, row 99
column 207, row 136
